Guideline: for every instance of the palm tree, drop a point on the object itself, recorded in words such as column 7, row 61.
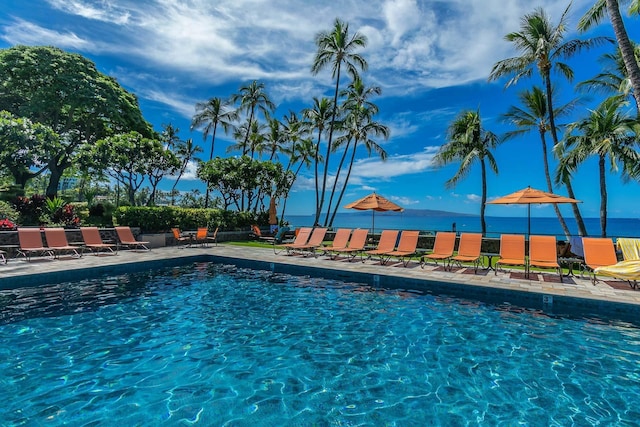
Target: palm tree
column 318, row 117
column 612, row 8
column 250, row 138
column 252, row 97
column 360, row 127
column 613, row 78
column 186, row 152
column 209, row 115
column 336, row 49
column 274, row 138
column 533, row 115
column 300, row 152
column 467, row 143
column 606, row 132
column 542, row 45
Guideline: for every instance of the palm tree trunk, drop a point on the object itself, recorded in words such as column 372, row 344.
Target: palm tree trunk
column 213, row 139
column 335, row 183
column 628, row 56
column 603, row 196
column 483, row 222
column 547, row 176
column 331, row 126
column 346, row 181
column 582, row 231
column 317, row 150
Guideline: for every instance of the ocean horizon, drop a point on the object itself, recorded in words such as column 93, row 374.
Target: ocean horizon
column 616, row 227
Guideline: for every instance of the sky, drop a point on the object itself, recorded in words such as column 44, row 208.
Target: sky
column 430, row 58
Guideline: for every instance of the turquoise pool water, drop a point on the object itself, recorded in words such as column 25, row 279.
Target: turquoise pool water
column 215, row 345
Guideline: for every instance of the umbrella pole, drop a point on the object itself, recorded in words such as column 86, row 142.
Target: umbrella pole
column 373, row 222
column 529, row 221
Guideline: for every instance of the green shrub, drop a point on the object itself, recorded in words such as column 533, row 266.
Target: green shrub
column 7, row 211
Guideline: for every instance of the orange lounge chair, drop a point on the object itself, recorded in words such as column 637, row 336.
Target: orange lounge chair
column 57, row 242
column 314, row 242
column 442, row 248
column 340, row 240
column 256, row 232
column 511, row 251
column 598, row 252
column 93, row 241
column 180, row 239
column 386, row 244
column 469, row 250
column 302, row 236
column 407, row 247
column 202, row 237
column 31, row 242
column 543, row 254
column 125, row 235
column 356, row 245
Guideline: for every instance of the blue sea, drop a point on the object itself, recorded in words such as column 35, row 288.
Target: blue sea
column 616, row 227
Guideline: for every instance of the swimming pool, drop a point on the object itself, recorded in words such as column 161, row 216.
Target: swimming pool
column 209, row 344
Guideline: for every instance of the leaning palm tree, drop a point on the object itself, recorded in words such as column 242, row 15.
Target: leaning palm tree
column 302, row 153
column 467, row 143
column 336, row 49
column 613, row 78
column 318, row 117
column 542, row 45
column 596, row 14
column 533, row 116
column 209, row 115
column 606, row 133
column 274, row 138
column 252, row 97
column 186, row 152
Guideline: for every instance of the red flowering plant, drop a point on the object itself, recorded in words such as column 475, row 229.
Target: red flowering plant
column 6, row 224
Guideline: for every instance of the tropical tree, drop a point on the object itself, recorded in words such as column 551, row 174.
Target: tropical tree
column 596, row 14
column 274, row 138
column 301, row 152
column 186, row 152
column 318, row 117
column 250, row 98
column 66, row 92
column 467, row 143
column 543, row 45
column 336, row 49
column 613, row 79
column 608, row 133
column 161, row 162
column 533, row 116
column 209, row 115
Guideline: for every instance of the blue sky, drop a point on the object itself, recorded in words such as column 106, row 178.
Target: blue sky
column 431, row 59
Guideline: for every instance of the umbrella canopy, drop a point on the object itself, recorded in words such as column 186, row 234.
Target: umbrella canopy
column 374, row 202
column 529, row 196
column 273, row 218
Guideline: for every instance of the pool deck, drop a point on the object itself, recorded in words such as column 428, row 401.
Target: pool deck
column 19, row 272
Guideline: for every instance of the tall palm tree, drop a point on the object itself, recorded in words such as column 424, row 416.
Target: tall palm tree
column 467, row 143
column 318, row 117
column 336, row 49
column 613, row 78
column 274, row 138
column 250, row 138
column 596, row 14
column 543, row 45
column 252, row 97
column 606, row 132
column 209, row 115
column 301, row 152
column 533, row 115
column 186, row 152
column 359, row 129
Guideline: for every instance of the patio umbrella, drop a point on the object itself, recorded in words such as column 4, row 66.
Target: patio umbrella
column 529, row 196
column 273, row 218
column 374, row 202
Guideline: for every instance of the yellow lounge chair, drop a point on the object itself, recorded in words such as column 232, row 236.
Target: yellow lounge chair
column 93, row 241
column 387, row 243
column 407, row 247
column 356, row 245
column 125, row 235
column 469, row 250
column 57, row 242
column 511, row 251
column 543, row 254
column 626, row 270
column 630, row 248
column 442, row 248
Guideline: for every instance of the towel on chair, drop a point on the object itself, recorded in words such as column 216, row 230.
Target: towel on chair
column 576, row 246
column 630, row 248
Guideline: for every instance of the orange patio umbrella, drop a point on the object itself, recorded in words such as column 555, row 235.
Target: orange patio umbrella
column 273, row 217
column 374, row 202
column 529, row 196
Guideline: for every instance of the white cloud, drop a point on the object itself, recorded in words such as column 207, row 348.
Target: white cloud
column 394, row 166
column 28, row 33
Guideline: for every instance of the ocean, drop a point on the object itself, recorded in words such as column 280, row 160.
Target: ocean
column 616, row 227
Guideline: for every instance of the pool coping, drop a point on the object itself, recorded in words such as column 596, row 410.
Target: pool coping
column 580, row 298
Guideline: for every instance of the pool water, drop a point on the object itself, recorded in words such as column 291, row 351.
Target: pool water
column 214, row 345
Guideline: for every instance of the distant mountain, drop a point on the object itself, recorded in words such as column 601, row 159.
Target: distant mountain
column 414, row 213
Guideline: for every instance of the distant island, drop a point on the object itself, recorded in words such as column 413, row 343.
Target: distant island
column 413, row 213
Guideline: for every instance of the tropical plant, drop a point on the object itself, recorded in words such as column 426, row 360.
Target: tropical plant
column 607, row 132
column 596, row 14
column 250, row 98
column 467, row 143
column 543, row 45
column 209, row 115
column 186, row 152
column 533, row 116
column 336, row 49
column 613, row 78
